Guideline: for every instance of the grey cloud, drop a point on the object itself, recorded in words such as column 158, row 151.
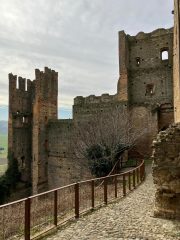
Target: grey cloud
column 79, row 39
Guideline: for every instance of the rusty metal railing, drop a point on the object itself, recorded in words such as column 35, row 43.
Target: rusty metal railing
column 33, row 216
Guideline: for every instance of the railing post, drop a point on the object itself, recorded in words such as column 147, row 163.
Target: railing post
column 92, row 192
column 105, row 191
column 115, row 186
column 76, row 188
column 134, row 179
column 129, row 180
column 124, row 185
column 144, row 173
column 55, row 207
column 141, row 173
column 137, row 171
column 27, row 229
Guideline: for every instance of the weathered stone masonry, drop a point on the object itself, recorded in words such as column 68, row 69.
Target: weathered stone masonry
column 166, row 172
column 166, row 148
column 41, row 142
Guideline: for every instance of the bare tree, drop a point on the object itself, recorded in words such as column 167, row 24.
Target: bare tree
column 104, row 137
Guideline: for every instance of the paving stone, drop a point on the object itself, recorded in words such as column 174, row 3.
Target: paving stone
column 128, row 219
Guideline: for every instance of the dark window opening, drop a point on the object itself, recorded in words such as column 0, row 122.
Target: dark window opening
column 150, row 88
column 138, row 61
column 164, row 128
column 164, row 55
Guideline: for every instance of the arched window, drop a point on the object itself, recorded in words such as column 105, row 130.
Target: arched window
column 164, row 55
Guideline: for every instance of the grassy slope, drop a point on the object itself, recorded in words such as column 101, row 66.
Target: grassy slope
column 3, row 154
column 3, row 143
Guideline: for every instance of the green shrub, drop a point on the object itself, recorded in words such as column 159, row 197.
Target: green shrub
column 101, row 159
column 9, row 180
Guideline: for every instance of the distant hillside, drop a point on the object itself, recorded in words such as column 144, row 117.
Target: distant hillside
column 4, row 127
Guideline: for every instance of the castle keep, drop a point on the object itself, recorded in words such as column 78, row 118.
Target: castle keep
column 42, row 143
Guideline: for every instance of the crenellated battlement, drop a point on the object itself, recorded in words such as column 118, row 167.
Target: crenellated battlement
column 48, row 73
column 20, row 84
column 46, row 83
column 92, row 99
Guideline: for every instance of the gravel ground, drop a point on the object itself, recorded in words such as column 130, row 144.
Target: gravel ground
column 129, row 218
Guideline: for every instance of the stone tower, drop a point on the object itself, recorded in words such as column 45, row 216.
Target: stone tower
column 31, row 105
column 146, row 67
column 20, row 124
column 44, row 109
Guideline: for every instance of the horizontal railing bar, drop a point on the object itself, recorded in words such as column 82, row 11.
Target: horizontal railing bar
column 70, row 185
column 137, row 173
column 12, row 203
column 114, row 175
column 51, row 191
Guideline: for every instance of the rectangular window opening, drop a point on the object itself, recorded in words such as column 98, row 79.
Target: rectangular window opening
column 164, row 55
column 138, row 61
column 150, row 89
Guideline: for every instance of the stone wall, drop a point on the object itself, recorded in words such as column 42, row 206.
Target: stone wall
column 63, row 165
column 145, row 123
column 150, row 77
column 176, row 61
column 166, row 148
column 166, row 172
column 85, row 108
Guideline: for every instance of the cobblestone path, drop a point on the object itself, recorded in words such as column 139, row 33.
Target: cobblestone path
column 129, row 218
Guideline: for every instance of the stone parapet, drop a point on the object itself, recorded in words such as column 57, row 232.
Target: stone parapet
column 79, row 100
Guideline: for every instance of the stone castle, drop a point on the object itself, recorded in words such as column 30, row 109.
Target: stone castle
column 41, row 142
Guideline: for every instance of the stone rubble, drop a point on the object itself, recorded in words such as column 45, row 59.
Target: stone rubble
column 166, row 172
column 129, row 218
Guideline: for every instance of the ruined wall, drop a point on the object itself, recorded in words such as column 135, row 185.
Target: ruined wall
column 122, row 87
column 166, row 148
column 20, row 123
column 176, row 61
column 146, row 79
column 150, row 77
column 145, row 123
column 166, row 172
column 165, row 116
column 85, row 107
column 63, row 165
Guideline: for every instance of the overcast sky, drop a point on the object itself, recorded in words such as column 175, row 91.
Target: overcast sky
column 77, row 38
